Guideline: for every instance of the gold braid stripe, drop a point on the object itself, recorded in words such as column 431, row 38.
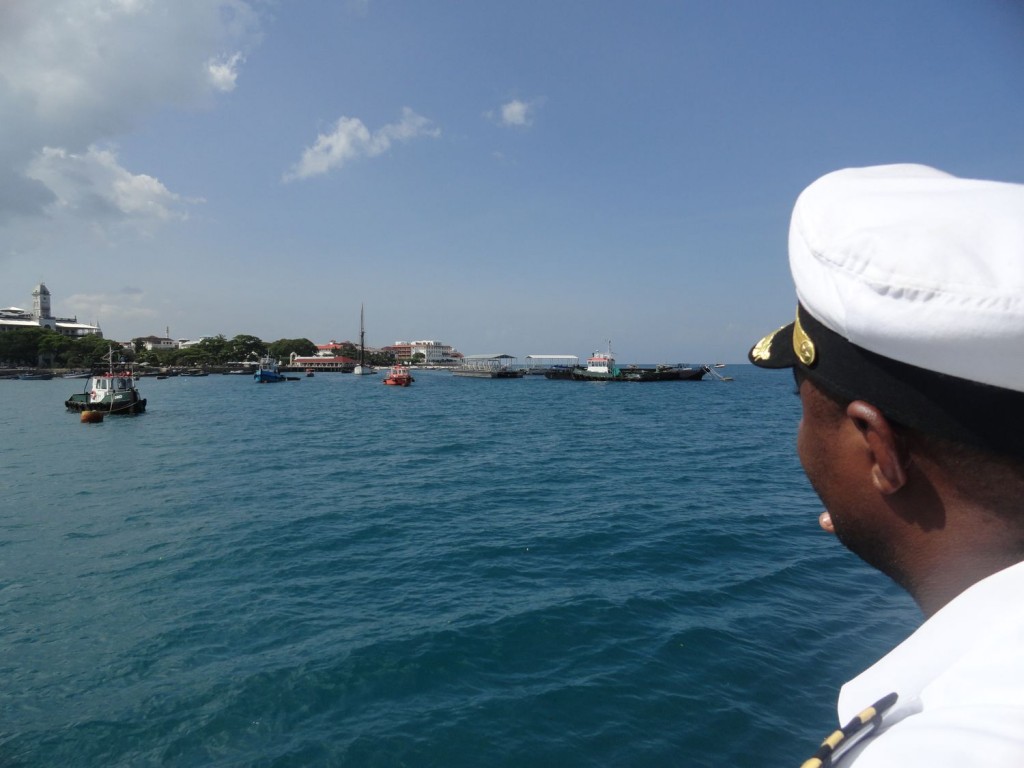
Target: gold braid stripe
column 871, row 716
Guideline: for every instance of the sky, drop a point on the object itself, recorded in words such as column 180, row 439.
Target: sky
column 527, row 177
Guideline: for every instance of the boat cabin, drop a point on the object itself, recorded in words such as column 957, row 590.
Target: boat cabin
column 113, row 383
column 600, row 363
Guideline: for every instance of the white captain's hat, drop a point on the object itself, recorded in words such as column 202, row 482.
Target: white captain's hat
column 910, row 284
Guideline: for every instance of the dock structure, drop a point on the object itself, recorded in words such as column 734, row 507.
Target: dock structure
column 541, row 365
column 489, row 367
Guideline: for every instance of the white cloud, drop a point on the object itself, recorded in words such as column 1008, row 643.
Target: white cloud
column 95, row 186
column 514, row 114
column 223, row 72
column 351, row 139
column 75, row 74
column 128, row 306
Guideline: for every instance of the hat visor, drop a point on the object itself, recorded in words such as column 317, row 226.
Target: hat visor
column 776, row 350
column 934, row 403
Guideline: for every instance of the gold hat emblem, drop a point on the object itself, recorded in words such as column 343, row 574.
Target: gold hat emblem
column 802, row 344
column 763, row 349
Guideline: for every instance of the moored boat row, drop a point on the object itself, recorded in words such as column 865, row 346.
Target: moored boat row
column 115, row 391
column 601, row 366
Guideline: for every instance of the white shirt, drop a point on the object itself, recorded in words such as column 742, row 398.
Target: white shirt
column 960, row 683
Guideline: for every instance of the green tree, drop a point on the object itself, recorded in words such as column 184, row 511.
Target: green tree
column 160, row 358
column 21, row 347
column 194, row 357
column 244, row 347
column 214, row 350
column 89, row 352
column 51, row 347
column 282, row 348
column 381, row 357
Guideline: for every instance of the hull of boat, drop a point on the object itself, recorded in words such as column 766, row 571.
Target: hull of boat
column 398, row 377
column 639, row 374
column 108, row 393
column 122, row 403
column 563, row 374
column 267, row 377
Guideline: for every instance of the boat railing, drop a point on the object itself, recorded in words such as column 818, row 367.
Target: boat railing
column 543, row 363
column 489, row 362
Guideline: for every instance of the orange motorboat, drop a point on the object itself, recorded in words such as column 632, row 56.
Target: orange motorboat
column 399, row 376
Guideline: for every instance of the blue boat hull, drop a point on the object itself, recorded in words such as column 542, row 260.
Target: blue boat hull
column 267, row 377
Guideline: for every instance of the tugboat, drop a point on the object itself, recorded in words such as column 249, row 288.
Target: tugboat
column 268, row 372
column 601, row 366
column 110, row 392
column 399, row 376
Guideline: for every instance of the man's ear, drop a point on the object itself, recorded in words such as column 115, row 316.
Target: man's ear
column 888, row 452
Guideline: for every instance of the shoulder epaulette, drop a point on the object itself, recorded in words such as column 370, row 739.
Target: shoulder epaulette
column 855, row 730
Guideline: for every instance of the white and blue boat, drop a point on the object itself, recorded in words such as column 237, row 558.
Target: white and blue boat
column 268, row 372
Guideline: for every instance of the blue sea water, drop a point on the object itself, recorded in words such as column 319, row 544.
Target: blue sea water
column 332, row 572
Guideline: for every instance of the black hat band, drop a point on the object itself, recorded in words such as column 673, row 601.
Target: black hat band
column 967, row 411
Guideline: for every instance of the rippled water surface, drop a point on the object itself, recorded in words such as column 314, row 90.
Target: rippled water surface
column 461, row 573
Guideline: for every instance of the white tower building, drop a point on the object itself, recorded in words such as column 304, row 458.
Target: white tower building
column 41, row 302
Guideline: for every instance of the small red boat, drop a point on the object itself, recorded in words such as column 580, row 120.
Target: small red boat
column 399, row 376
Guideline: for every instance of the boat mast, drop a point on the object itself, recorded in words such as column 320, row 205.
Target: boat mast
column 362, row 336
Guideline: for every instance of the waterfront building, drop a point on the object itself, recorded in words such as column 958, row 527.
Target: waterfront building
column 158, row 343
column 164, row 343
column 402, row 350
column 434, row 352
column 333, row 348
column 322, row 363
column 41, row 316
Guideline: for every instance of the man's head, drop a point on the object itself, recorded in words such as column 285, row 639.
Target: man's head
column 910, row 285
column 908, row 350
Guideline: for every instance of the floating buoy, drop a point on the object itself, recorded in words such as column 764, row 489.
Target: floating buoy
column 92, row 417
